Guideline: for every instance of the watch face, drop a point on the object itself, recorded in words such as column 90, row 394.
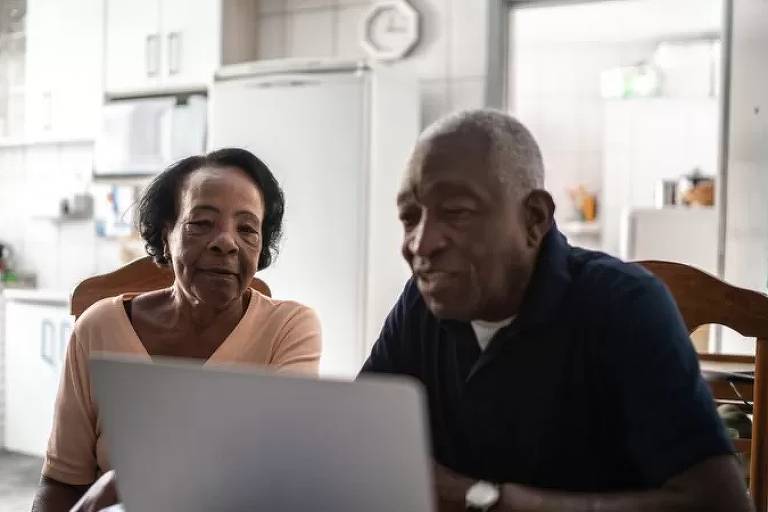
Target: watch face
column 482, row 495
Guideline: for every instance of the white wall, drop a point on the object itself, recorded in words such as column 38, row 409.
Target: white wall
column 555, row 91
column 449, row 61
column 33, row 179
column 746, row 250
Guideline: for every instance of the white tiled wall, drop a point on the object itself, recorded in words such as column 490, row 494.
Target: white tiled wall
column 449, row 59
column 555, row 91
column 60, row 254
column 2, row 369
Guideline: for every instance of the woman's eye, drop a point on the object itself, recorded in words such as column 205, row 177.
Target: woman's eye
column 248, row 230
column 198, row 226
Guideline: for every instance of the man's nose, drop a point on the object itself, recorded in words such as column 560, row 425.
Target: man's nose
column 427, row 237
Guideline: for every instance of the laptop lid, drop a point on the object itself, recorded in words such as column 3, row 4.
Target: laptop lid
column 186, row 438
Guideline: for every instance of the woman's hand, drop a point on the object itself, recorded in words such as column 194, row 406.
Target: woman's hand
column 102, row 494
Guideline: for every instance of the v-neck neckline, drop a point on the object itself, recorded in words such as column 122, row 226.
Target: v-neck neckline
column 217, row 354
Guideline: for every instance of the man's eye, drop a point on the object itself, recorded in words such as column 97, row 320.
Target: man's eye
column 457, row 213
column 409, row 219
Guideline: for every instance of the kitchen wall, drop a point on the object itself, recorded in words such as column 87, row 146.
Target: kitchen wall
column 555, row 91
column 33, row 180
column 449, row 60
column 746, row 250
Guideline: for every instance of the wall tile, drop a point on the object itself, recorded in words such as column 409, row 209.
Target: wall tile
column 271, row 6
column 468, row 37
column 292, row 5
column 310, row 33
column 434, row 100
column 271, row 37
column 467, row 93
column 348, row 32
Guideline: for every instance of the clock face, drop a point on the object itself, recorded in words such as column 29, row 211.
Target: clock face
column 390, row 30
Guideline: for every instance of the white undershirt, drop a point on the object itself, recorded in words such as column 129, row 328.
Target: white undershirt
column 484, row 331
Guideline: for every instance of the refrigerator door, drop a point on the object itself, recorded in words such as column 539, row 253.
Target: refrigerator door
column 683, row 235
column 311, row 130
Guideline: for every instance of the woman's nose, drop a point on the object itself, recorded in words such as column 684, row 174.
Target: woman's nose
column 224, row 242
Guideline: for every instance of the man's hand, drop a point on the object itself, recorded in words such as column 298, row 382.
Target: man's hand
column 714, row 485
column 450, row 489
column 102, row 494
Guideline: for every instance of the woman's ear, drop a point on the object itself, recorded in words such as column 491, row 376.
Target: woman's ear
column 539, row 216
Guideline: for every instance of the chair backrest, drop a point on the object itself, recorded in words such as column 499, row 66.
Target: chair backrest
column 141, row 275
column 704, row 299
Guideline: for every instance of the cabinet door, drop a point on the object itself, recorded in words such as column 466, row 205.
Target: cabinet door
column 41, row 62
column 36, row 340
column 78, row 93
column 133, row 45
column 191, row 42
column 64, row 68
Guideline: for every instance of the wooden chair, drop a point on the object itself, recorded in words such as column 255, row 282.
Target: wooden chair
column 704, row 299
column 141, row 275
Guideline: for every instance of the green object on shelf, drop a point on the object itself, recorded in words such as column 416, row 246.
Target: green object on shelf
column 8, row 276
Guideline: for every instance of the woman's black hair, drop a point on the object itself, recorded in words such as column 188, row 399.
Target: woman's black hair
column 158, row 206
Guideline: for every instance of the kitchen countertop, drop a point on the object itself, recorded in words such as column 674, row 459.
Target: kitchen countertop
column 36, row 296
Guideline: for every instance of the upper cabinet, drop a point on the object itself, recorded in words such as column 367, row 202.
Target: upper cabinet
column 63, row 69
column 133, row 44
column 159, row 45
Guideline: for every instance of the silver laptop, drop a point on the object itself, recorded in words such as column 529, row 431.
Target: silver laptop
column 184, row 438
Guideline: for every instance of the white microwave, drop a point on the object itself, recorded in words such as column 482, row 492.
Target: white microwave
column 142, row 136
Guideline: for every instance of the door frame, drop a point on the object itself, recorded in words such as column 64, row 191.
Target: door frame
column 497, row 62
column 498, row 45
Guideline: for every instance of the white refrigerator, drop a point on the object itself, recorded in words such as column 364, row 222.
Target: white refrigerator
column 337, row 136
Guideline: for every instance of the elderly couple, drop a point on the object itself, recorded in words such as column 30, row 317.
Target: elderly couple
column 558, row 379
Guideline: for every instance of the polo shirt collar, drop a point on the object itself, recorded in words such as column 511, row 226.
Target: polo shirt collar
column 550, row 281
column 549, row 284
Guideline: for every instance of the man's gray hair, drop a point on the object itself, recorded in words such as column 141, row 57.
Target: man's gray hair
column 513, row 151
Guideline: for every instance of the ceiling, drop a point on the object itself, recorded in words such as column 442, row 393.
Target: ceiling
column 616, row 20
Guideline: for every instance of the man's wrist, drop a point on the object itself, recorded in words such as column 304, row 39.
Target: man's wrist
column 482, row 496
column 519, row 498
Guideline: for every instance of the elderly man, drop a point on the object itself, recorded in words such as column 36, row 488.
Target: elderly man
column 557, row 378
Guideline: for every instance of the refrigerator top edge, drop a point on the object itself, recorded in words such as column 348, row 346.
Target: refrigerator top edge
column 294, row 66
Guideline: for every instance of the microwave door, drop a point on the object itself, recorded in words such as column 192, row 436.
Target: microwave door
column 131, row 139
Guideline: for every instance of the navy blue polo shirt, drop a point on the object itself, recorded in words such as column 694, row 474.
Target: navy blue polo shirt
column 594, row 387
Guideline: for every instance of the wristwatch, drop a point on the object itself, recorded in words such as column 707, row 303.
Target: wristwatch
column 482, row 496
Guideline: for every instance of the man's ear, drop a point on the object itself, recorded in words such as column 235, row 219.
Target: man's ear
column 539, row 216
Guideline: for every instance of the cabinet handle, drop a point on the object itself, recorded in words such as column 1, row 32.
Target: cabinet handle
column 152, row 56
column 47, row 111
column 174, row 53
column 47, row 331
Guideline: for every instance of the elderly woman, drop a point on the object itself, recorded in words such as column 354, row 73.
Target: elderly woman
column 215, row 220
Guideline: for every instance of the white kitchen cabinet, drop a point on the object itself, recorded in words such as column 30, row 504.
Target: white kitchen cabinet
column 171, row 45
column 191, row 41
column 132, row 45
column 37, row 330
column 63, row 69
